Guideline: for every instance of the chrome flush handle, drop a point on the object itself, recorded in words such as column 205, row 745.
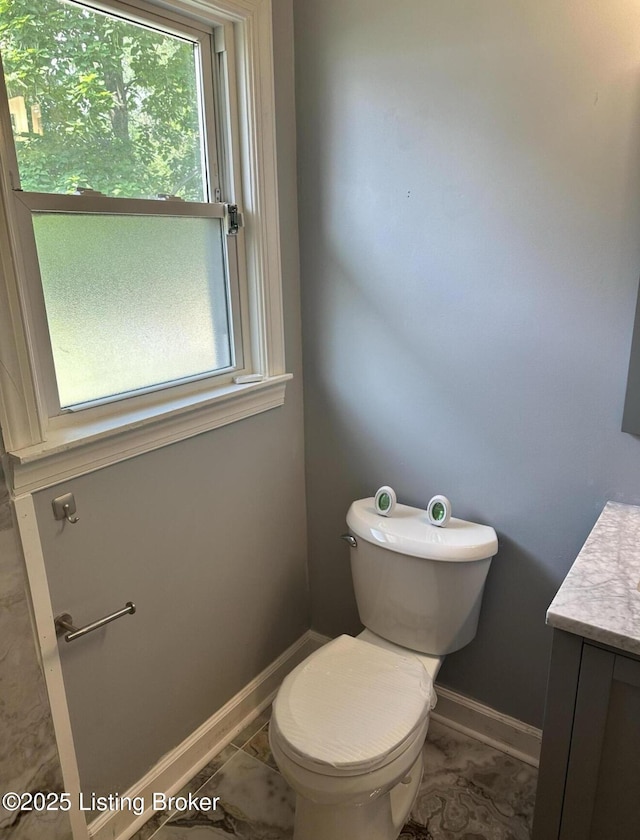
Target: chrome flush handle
column 353, row 542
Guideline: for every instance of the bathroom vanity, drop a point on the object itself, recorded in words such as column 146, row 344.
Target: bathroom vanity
column 589, row 781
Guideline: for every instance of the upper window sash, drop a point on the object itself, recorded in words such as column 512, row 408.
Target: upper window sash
column 206, row 39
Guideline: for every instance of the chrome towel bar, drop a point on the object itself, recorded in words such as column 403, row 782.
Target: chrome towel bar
column 64, row 623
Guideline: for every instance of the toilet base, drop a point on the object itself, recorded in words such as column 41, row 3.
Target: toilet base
column 381, row 818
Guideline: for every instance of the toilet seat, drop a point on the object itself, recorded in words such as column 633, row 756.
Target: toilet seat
column 351, row 707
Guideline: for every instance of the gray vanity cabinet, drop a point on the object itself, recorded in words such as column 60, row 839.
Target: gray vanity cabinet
column 589, row 780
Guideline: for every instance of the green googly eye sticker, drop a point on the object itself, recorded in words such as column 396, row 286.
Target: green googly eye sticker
column 385, row 501
column 439, row 511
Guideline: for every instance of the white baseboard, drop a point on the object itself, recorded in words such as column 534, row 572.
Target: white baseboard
column 175, row 769
column 505, row 733
column 317, row 639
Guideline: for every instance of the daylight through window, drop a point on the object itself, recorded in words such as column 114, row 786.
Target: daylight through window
column 131, row 273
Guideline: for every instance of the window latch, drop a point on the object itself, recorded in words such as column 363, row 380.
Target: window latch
column 86, row 191
column 234, row 219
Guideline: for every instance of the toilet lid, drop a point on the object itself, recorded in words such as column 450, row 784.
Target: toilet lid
column 351, row 705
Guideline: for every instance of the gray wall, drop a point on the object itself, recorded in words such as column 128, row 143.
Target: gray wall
column 206, row 536
column 469, row 191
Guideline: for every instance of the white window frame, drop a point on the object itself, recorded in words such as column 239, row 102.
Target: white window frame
column 43, row 451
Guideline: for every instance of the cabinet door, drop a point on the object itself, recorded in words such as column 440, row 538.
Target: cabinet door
column 602, row 796
column 562, row 690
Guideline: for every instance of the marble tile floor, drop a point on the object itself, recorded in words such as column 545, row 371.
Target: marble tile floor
column 470, row 791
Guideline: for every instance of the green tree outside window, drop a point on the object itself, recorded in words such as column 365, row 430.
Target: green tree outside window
column 101, row 103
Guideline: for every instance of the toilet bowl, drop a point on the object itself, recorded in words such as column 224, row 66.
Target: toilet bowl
column 347, row 731
column 349, row 723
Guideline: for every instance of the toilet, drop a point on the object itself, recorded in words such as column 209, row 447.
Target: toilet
column 349, row 723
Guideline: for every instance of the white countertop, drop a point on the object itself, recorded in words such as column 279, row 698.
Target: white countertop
column 600, row 597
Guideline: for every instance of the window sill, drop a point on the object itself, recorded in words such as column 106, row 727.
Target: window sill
column 83, row 447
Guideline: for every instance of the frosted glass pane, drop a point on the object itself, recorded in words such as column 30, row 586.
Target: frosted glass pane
column 132, row 301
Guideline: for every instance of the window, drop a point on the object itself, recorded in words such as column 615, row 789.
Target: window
column 145, row 303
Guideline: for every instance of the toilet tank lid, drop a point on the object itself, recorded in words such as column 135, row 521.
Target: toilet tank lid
column 408, row 531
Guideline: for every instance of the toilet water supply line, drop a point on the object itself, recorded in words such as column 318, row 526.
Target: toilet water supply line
column 438, row 509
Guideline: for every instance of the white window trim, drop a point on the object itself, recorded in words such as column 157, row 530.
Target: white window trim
column 40, row 456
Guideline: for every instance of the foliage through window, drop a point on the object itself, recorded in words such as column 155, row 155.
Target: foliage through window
column 97, row 101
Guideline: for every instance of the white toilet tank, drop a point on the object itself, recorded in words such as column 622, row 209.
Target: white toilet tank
column 416, row 584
